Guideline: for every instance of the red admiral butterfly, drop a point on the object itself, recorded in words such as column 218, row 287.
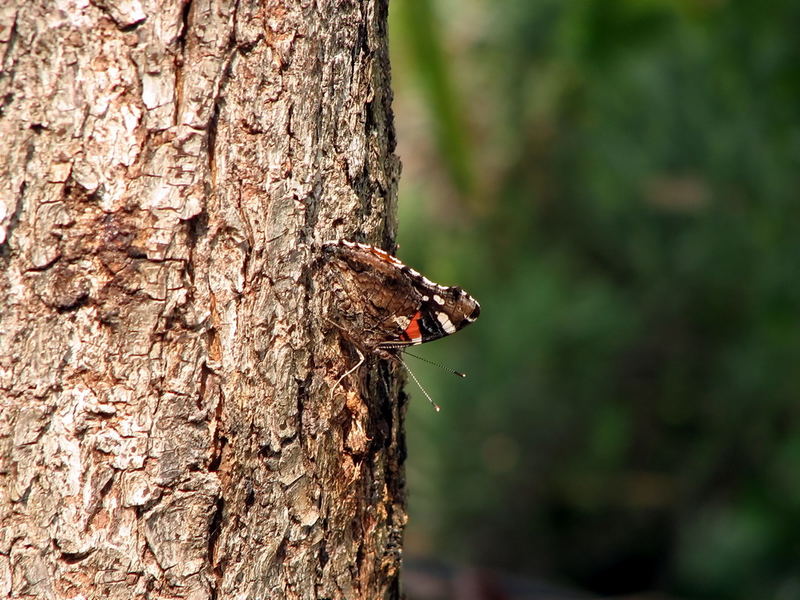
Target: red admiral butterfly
column 383, row 305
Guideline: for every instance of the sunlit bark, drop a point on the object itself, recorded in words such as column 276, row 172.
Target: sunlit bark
column 168, row 426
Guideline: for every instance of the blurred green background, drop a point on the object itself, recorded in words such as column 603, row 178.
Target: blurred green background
column 616, row 181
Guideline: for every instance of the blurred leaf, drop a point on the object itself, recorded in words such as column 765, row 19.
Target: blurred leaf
column 416, row 22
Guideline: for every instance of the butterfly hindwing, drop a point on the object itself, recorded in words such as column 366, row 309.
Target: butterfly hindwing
column 383, row 304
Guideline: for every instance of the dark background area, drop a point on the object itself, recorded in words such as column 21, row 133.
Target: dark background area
column 616, row 182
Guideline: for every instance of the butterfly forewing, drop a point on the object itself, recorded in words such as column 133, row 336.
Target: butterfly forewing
column 383, row 304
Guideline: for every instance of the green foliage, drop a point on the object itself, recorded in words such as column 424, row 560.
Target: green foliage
column 632, row 414
column 420, row 26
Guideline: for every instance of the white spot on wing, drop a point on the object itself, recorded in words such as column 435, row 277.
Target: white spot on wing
column 445, row 322
column 438, row 299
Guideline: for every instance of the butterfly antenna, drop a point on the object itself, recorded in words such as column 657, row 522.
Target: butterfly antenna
column 424, row 391
column 436, row 364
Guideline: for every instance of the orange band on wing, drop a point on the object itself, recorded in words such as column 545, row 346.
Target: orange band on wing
column 412, row 331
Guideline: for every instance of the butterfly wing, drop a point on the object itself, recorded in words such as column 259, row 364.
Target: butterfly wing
column 385, row 304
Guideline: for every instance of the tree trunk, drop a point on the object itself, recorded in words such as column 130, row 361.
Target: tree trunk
column 170, row 426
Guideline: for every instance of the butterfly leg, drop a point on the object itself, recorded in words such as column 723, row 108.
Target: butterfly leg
column 358, row 364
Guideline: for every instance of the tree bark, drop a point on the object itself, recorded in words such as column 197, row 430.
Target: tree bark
column 170, row 427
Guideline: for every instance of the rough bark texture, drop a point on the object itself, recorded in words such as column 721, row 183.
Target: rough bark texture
column 169, row 423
